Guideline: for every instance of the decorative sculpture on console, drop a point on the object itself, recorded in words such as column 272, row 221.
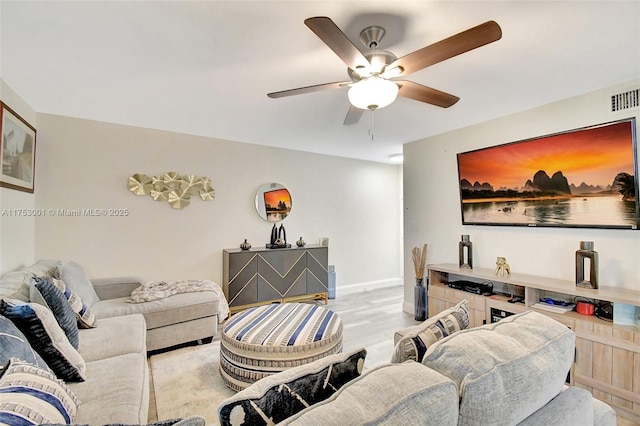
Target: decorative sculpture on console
column 502, row 267
column 278, row 238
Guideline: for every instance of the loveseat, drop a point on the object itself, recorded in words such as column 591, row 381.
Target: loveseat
column 106, row 375
column 509, row 373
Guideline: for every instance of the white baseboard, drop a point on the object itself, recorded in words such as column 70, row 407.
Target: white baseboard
column 407, row 307
column 366, row 286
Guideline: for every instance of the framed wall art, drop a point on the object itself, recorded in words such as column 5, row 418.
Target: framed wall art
column 17, row 151
column 583, row 178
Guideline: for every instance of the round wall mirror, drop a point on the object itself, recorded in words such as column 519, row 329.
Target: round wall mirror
column 273, row 202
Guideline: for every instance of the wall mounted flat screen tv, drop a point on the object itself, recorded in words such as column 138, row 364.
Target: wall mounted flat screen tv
column 582, row 178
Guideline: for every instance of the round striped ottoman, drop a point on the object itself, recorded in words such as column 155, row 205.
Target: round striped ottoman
column 267, row 339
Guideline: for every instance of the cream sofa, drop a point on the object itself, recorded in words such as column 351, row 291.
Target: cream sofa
column 171, row 321
column 509, row 373
column 114, row 353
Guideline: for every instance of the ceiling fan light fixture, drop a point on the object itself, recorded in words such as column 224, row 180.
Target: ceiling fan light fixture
column 373, row 93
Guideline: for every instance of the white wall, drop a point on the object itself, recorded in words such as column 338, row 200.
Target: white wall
column 17, row 232
column 86, row 164
column 432, row 201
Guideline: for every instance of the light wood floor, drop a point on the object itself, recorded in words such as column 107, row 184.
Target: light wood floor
column 369, row 318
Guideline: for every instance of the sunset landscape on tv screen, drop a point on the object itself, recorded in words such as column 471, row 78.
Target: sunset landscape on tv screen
column 581, row 178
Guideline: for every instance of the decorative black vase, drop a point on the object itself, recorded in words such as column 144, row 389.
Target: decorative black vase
column 420, row 300
column 246, row 245
column 301, row 242
column 586, row 252
column 465, row 248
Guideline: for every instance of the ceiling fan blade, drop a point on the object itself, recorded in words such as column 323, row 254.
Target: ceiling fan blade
column 418, row 92
column 337, row 41
column 309, row 89
column 449, row 47
column 353, row 115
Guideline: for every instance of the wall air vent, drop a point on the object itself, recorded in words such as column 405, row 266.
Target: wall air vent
column 626, row 100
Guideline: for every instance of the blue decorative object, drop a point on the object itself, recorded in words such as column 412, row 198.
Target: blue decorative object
column 420, row 300
column 332, row 281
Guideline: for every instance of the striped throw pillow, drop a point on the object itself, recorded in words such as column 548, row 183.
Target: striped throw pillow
column 30, row 395
column 86, row 318
column 57, row 302
column 415, row 341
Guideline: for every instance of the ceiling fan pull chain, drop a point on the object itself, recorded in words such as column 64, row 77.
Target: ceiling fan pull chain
column 371, row 123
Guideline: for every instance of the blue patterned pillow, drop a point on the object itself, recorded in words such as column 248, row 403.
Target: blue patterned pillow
column 15, row 345
column 30, row 395
column 38, row 324
column 60, row 307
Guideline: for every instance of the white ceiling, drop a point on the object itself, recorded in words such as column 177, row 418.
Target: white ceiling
column 205, row 67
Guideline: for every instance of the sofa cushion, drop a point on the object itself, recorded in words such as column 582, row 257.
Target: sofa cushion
column 572, row 406
column 30, row 395
column 15, row 285
column 281, row 395
column 389, row 394
column 116, row 391
column 106, row 340
column 59, row 306
column 44, row 334
column 507, row 370
column 603, row 414
column 75, row 278
column 14, row 344
column 159, row 313
column 413, row 342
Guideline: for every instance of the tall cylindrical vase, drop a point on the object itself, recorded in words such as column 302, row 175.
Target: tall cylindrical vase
column 420, row 300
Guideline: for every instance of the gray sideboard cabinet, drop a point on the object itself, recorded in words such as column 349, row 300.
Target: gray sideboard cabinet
column 260, row 276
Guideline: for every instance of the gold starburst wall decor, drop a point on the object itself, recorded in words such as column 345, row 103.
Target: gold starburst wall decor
column 172, row 187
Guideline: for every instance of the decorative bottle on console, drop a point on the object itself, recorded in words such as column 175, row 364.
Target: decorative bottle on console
column 465, row 247
column 586, row 252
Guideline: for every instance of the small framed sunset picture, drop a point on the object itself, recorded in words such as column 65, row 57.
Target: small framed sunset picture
column 585, row 178
column 277, row 204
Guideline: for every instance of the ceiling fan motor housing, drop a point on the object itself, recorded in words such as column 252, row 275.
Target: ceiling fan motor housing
column 372, row 36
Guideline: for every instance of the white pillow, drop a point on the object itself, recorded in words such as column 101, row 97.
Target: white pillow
column 74, row 277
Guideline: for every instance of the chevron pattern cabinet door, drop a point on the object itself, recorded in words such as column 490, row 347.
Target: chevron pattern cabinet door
column 258, row 276
column 317, row 270
column 283, row 272
column 240, row 278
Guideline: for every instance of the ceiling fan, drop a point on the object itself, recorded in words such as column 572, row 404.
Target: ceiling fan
column 376, row 74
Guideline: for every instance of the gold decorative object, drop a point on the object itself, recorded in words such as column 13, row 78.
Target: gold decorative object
column 172, row 180
column 207, row 195
column 179, row 199
column 140, row 184
column 159, row 195
column 502, row 267
column 158, row 183
column 191, row 184
column 172, row 187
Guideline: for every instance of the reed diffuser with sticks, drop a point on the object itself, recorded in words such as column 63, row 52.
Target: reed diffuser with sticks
column 420, row 289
